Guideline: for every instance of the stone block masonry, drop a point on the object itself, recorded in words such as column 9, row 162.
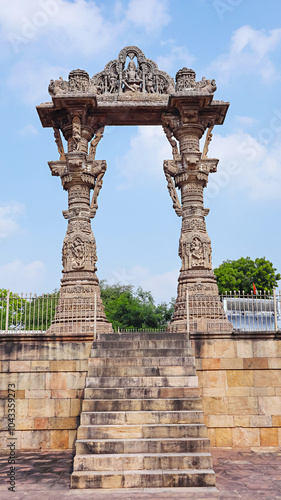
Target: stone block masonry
column 49, row 377
column 239, row 381
column 240, row 384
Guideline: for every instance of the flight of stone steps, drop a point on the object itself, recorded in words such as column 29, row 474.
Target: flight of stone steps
column 141, row 424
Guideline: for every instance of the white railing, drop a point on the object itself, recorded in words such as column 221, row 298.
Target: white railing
column 36, row 314
column 26, row 312
column 246, row 313
column 47, row 313
column 253, row 313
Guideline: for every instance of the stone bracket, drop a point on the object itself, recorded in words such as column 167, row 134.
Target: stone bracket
column 170, row 168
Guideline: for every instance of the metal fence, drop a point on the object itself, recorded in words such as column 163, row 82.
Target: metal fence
column 246, row 313
column 256, row 313
column 27, row 312
column 31, row 313
column 46, row 313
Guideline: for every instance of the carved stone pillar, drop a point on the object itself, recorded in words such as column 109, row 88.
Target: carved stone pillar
column 190, row 171
column 79, row 173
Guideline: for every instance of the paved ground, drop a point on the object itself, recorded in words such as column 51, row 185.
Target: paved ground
column 240, row 474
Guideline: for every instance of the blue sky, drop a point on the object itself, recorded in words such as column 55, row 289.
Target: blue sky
column 237, row 42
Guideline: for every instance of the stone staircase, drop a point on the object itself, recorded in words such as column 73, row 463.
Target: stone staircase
column 142, row 423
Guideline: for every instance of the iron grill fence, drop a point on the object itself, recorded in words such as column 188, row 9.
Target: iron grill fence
column 26, row 313
column 256, row 313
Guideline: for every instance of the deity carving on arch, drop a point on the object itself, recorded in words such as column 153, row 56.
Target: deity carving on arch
column 131, row 78
column 112, row 82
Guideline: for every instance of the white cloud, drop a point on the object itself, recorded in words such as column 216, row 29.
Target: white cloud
column 69, row 26
column 162, row 286
column 245, row 121
column 175, row 56
column 143, row 162
column 9, row 213
column 28, row 131
column 246, row 164
column 249, row 52
column 23, row 278
column 148, row 14
column 40, row 30
column 78, row 26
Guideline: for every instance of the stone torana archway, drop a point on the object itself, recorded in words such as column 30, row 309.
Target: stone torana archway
column 131, row 90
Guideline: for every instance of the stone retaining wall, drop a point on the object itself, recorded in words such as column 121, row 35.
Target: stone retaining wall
column 49, row 377
column 240, row 383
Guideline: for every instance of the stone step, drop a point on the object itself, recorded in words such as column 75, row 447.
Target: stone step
column 108, row 405
column 141, row 431
column 142, row 479
column 140, row 353
column 142, row 361
column 141, row 424
column 140, row 392
column 141, row 417
column 163, row 445
column 140, row 371
column 143, row 344
column 182, row 381
column 138, row 461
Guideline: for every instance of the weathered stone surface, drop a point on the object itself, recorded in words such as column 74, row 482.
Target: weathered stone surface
column 245, row 438
column 245, row 349
column 270, row 405
column 59, row 439
column 240, row 378
column 117, row 432
column 242, row 405
column 223, row 437
column 269, row 437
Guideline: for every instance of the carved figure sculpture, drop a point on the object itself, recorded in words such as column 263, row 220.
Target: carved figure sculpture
column 78, row 253
column 131, row 78
column 149, row 83
column 113, row 82
column 98, row 136
column 59, row 143
column 76, row 133
column 196, row 249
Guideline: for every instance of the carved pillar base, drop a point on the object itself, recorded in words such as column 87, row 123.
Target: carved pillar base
column 206, row 313
column 75, row 312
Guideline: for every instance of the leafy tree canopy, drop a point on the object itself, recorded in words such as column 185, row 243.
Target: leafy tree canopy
column 239, row 275
column 126, row 308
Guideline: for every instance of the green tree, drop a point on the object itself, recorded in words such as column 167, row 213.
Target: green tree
column 15, row 310
column 126, row 308
column 239, row 275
